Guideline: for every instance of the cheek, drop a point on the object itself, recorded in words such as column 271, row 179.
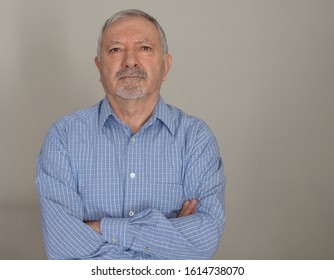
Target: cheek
column 156, row 71
column 107, row 74
column 107, row 78
column 159, row 74
column 108, row 68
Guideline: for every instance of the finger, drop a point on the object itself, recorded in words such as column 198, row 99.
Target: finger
column 184, row 208
column 188, row 208
column 192, row 206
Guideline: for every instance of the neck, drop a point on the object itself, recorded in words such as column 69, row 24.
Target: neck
column 133, row 112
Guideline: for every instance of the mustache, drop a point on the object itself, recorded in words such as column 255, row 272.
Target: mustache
column 131, row 72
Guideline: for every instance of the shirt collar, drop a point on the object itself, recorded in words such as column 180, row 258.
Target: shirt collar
column 161, row 111
column 104, row 113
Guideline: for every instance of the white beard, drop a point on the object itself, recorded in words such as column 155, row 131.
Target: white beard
column 130, row 90
column 130, row 95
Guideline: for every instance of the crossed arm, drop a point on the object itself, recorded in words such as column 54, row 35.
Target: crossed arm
column 188, row 208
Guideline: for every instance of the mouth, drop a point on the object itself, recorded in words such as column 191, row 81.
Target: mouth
column 130, row 77
column 131, row 74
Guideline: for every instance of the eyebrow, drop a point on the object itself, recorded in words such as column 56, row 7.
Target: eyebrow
column 141, row 41
column 114, row 43
column 144, row 41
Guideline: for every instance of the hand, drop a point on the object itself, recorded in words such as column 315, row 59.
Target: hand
column 95, row 225
column 188, row 208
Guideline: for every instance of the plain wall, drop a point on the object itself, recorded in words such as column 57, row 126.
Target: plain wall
column 260, row 73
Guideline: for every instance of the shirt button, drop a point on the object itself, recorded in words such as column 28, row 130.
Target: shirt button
column 131, row 213
column 132, row 175
column 133, row 139
column 114, row 239
column 146, row 248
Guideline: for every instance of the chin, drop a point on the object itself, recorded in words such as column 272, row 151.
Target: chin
column 131, row 95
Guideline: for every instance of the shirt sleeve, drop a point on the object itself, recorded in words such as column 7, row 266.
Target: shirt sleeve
column 65, row 234
column 192, row 237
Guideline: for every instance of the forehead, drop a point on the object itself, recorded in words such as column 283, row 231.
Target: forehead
column 131, row 28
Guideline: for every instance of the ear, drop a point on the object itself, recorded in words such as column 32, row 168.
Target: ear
column 97, row 62
column 168, row 65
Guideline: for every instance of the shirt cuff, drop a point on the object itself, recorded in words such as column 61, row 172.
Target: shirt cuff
column 114, row 231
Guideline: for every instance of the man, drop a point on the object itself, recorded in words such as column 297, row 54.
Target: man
column 131, row 177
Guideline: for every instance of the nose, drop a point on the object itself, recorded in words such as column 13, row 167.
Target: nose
column 130, row 59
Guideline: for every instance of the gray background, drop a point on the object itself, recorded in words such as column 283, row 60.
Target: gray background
column 260, row 73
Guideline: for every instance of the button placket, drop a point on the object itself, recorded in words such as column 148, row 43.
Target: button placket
column 131, row 183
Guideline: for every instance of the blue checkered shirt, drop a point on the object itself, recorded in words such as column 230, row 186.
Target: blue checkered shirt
column 91, row 167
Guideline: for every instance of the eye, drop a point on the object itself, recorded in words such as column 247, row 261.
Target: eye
column 114, row 50
column 146, row 48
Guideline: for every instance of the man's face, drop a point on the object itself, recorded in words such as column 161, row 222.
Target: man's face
column 131, row 63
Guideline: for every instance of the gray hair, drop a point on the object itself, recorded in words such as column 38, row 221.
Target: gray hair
column 133, row 13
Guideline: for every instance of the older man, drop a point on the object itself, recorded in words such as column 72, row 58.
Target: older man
column 131, row 177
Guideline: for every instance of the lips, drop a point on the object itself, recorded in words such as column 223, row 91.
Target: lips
column 126, row 77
